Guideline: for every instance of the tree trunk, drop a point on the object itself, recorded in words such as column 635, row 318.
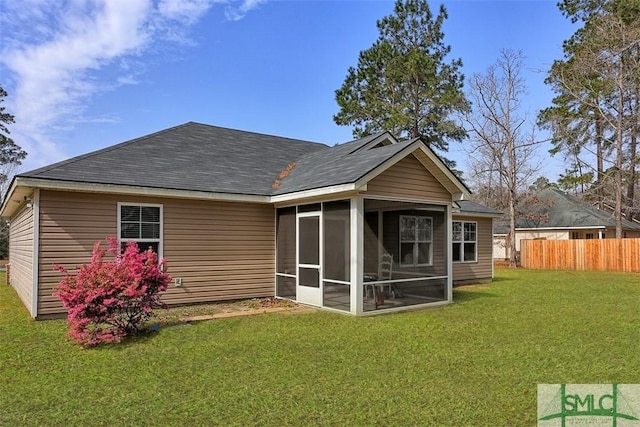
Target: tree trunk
column 513, row 260
column 618, row 175
column 631, row 185
column 633, row 158
column 600, row 161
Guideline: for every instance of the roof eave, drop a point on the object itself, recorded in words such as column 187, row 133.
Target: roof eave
column 51, row 184
column 583, row 227
column 316, row 192
column 13, row 194
column 477, row 214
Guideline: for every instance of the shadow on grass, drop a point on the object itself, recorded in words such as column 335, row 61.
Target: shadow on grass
column 500, row 279
column 461, row 296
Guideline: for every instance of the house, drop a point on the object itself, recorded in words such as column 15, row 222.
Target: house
column 556, row 215
column 241, row 215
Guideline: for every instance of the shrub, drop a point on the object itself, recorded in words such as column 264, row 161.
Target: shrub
column 109, row 300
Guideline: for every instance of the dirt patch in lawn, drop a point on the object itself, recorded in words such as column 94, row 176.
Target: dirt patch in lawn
column 199, row 312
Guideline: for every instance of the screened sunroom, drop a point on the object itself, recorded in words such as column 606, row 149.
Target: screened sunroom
column 363, row 255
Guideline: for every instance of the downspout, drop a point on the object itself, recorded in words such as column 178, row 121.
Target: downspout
column 36, row 252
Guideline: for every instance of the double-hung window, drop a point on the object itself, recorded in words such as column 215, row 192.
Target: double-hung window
column 141, row 223
column 416, row 240
column 465, row 241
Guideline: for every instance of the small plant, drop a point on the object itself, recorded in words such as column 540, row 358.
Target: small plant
column 109, row 300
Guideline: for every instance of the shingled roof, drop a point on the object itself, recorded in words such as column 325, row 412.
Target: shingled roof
column 196, row 157
column 564, row 212
column 337, row 166
column 191, row 156
column 471, row 207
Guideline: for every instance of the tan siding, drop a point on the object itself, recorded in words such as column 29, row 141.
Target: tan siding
column 21, row 254
column 408, row 179
column 221, row 250
column 482, row 269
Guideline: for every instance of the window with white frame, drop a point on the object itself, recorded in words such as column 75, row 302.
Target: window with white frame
column 465, row 241
column 141, row 223
column 415, row 240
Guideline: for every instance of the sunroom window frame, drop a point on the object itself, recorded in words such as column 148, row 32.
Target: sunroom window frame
column 159, row 240
column 416, row 242
column 464, row 241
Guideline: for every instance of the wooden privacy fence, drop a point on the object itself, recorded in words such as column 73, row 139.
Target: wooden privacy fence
column 580, row 254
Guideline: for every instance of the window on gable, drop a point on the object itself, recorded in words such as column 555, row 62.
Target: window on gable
column 465, row 241
column 141, row 223
column 415, row 240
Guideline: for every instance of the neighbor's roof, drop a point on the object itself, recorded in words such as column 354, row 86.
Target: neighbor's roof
column 564, row 212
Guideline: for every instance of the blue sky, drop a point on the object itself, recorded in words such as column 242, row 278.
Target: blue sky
column 85, row 74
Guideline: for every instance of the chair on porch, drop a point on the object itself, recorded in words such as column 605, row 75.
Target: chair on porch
column 385, row 268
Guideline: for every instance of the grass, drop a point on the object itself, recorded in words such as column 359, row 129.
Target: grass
column 476, row 362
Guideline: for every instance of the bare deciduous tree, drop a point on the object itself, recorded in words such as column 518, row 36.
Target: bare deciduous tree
column 503, row 140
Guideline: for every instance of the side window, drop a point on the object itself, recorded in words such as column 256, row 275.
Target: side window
column 464, row 241
column 141, row 223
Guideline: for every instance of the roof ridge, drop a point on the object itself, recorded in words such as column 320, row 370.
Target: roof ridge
column 258, row 133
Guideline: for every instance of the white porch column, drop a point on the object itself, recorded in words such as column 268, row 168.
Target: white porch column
column 599, row 234
column 357, row 254
column 449, row 209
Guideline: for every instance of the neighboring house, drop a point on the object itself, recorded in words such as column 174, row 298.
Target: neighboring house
column 241, row 215
column 611, row 209
column 558, row 216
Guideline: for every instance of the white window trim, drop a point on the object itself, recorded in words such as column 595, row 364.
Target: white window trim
column 415, row 247
column 463, row 241
column 160, row 239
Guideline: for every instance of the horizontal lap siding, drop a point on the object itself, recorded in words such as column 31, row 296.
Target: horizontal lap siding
column 483, row 268
column 70, row 223
column 410, row 180
column 21, row 254
column 221, row 250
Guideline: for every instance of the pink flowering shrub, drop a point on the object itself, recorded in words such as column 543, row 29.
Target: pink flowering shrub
column 109, row 300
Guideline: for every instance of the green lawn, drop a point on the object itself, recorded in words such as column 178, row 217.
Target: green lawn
column 475, row 362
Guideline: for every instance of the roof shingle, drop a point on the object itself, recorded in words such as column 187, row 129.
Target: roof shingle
column 191, row 156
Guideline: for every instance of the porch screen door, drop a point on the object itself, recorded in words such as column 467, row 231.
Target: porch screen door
column 309, row 289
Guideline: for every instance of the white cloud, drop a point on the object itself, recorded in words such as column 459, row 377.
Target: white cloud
column 236, row 12
column 52, row 77
column 187, row 11
column 52, row 53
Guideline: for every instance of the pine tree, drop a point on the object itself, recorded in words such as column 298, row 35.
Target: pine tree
column 403, row 83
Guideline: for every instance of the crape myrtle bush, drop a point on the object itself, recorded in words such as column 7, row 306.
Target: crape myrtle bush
column 109, row 300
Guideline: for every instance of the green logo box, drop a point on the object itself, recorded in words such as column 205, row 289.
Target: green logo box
column 601, row 405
